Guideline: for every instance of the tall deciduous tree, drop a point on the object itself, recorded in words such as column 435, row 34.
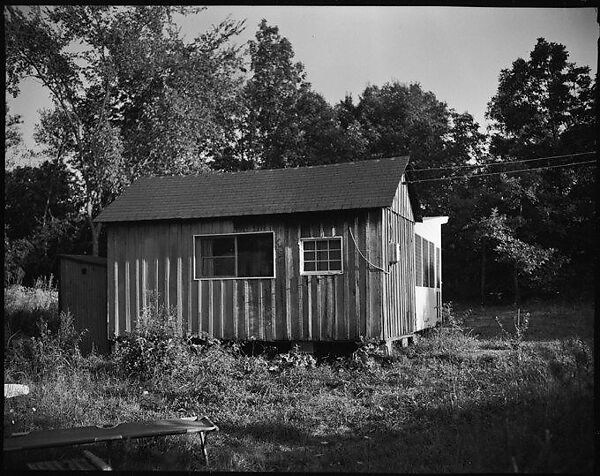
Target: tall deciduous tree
column 285, row 123
column 130, row 96
column 271, row 130
column 399, row 119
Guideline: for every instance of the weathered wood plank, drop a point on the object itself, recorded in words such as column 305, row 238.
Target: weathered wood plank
column 330, row 315
column 211, row 307
column 228, row 319
column 370, row 273
column 274, row 325
column 283, row 332
column 246, row 307
column 236, row 309
column 291, row 320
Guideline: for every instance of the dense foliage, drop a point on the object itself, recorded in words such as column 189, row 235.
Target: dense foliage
column 131, row 97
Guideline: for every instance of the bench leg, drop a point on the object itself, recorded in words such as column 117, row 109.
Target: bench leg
column 203, row 447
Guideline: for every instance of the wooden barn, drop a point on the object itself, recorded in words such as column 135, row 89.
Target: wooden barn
column 324, row 253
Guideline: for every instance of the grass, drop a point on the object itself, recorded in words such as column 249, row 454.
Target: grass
column 462, row 399
column 24, row 306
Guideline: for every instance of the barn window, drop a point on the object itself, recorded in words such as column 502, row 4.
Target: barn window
column 237, row 255
column 321, row 255
column 426, row 267
column 425, row 263
column 419, row 259
column 431, row 263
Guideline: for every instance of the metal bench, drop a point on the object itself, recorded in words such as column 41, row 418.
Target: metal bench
column 95, row 434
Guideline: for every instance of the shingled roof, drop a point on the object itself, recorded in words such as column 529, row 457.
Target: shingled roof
column 351, row 185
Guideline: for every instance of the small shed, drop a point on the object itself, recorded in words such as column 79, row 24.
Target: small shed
column 323, row 253
column 82, row 292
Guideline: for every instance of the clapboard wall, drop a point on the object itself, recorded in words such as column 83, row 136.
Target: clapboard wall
column 158, row 256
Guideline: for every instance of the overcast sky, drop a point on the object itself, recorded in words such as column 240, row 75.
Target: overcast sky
column 455, row 52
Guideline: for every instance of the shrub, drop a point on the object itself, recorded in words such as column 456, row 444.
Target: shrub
column 155, row 346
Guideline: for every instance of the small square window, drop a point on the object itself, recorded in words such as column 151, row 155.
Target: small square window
column 321, row 255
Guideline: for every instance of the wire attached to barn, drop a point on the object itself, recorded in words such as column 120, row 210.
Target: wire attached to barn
column 363, row 256
column 455, row 177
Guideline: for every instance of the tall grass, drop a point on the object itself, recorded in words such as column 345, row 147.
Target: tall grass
column 451, row 403
column 24, row 307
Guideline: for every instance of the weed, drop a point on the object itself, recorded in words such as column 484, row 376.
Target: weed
column 48, row 352
column 293, row 358
column 451, row 319
column 515, row 339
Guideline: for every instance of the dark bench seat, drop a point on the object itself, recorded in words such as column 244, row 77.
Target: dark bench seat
column 123, row 431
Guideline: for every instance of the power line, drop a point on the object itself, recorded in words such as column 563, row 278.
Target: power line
column 452, row 167
column 504, row 172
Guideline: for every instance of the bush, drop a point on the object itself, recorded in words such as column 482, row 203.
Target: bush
column 155, row 346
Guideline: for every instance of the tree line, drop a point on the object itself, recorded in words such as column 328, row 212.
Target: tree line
column 132, row 97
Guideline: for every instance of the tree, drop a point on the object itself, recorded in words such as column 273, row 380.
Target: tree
column 399, row 119
column 285, row 123
column 527, row 260
column 12, row 134
column 270, row 130
column 544, row 107
column 130, row 97
column 41, row 218
column 38, row 194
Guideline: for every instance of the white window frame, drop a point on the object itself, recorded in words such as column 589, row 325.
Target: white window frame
column 221, row 278
column 326, row 272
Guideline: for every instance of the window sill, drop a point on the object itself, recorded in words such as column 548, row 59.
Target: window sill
column 320, row 273
column 229, row 278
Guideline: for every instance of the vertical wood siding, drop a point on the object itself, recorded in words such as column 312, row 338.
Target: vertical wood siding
column 401, row 203
column 158, row 257
column 399, row 286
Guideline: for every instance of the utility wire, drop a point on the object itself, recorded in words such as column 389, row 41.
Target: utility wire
column 452, row 167
column 503, row 172
column 363, row 256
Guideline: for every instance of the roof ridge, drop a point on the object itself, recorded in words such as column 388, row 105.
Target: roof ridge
column 303, row 167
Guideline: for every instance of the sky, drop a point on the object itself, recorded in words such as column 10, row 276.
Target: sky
column 455, row 52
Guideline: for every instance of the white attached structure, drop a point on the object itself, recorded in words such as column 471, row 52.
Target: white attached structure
column 428, row 264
